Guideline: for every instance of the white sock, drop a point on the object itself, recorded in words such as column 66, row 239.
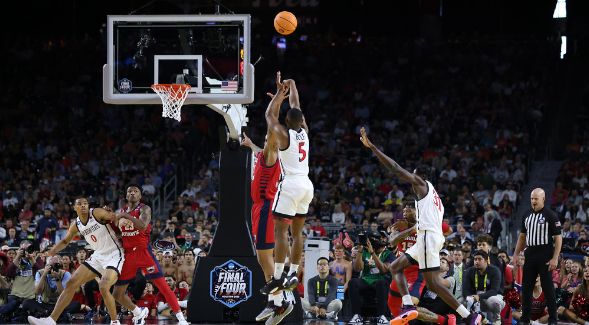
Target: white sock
column 407, row 300
column 136, row 311
column 293, row 269
column 114, row 322
column 278, row 300
column 270, row 297
column 51, row 319
column 183, row 303
column 180, row 316
column 330, row 314
column 278, row 268
column 462, row 311
column 586, row 323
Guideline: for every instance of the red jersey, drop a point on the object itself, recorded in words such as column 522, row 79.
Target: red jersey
column 179, row 292
column 134, row 238
column 410, row 241
column 538, row 306
column 148, row 301
column 265, row 179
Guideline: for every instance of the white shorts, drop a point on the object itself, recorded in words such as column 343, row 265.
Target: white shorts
column 99, row 263
column 426, row 250
column 293, row 197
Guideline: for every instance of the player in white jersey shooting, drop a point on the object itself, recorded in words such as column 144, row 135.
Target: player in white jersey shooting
column 295, row 192
column 430, row 240
column 106, row 261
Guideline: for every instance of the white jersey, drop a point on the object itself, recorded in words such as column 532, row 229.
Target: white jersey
column 430, row 211
column 294, row 159
column 101, row 237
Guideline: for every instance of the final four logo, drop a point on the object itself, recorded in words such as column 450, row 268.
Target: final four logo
column 231, row 283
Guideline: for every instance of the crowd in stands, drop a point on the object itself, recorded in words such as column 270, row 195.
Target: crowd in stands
column 471, row 108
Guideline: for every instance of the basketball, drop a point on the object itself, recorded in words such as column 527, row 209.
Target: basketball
column 285, row 22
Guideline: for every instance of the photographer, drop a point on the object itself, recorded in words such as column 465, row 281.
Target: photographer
column 374, row 262
column 49, row 284
column 22, row 270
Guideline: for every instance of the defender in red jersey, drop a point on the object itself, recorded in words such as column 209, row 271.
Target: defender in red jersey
column 134, row 222
column 263, row 189
column 404, row 240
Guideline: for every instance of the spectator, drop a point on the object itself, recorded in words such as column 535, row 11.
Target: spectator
column 566, row 229
column 582, row 291
column 483, row 284
column 189, row 191
column 148, row 188
column 356, row 211
column 338, row 216
column 49, row 284
column 9, row 199
column 148, row 300
column 375, row 208
column 322, row 299
column 324, row 213
column 319, row 229
column 340, row 267
column 451, row 173
column 458, row 269
column 433, row 303
column 374, row 262
column 47, row 227
column 308, row 231
column 511, row 193
column 22, row 271
column 572, row 280
column 162, row 307
column 494, row 227
column 576, row 230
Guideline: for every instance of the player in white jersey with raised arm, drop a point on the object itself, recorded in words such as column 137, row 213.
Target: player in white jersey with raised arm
column 430, row 240
column 106, row 261
column 295, row 192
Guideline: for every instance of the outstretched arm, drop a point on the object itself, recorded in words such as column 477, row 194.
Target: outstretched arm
column 294, row 100
column 392, row 165
column 272, row 111
column 398, row 237
column 248, row 142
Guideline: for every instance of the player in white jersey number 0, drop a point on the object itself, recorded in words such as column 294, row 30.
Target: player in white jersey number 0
column 430, row 240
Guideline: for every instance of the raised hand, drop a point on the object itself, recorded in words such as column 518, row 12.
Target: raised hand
column 246, row 141
column 364, row 138
column 281, row 87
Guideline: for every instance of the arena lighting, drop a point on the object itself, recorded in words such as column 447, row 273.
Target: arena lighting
column 563, row 46
column 561, row 10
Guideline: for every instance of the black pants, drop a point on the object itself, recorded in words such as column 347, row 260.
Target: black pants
column 536, row 259
column 30, row 304
column 357, row 286
column 89, row 288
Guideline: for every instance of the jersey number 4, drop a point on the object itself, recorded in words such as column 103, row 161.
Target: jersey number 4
column 437, row 201
column 302, row 151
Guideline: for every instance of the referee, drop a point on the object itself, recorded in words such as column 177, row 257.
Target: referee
column 539, row 226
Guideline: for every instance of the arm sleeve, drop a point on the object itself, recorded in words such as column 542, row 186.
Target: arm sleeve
column 66, row 276
column 332, row 293
column 467, row 282
column 37, row 278
column 311, row 290
column 10, row 271
column 495, row 278
column 390, row 258
column 554, row 225
column 523, row 229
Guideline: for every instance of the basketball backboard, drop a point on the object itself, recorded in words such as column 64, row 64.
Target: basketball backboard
column 209, row 52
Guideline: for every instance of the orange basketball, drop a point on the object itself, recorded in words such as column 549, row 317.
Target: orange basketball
column 285, row 22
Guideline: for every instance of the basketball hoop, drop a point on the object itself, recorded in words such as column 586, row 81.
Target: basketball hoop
column 173, row 96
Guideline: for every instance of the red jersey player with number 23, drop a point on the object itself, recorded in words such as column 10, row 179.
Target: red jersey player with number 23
column 135, row 224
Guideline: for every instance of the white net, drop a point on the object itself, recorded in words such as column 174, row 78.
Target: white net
column 173, row 97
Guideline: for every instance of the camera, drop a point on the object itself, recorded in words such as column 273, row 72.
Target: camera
column 373, row 236
column 29, row 249
column 56, row 267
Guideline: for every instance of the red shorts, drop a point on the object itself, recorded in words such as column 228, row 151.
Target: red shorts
column 139, row 259
column 536, row 316
column 263, row 225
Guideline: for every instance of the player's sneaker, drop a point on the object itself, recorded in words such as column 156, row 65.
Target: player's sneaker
column 183, row 322
column 273, row 285
column 41, row 321
column 291, row 282
column 450, row 319
column 140, row 320
column 382, row 320
column 356, row 319
column 473, row 319
column 407, row 313
column 267, row 312
column 279, row 313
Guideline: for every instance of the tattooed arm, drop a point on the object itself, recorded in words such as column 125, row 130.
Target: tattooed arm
column 426, row 315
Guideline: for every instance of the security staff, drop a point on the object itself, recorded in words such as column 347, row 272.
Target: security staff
column 539, row 226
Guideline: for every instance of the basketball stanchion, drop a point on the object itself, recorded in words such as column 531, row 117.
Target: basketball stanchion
column 226, row 286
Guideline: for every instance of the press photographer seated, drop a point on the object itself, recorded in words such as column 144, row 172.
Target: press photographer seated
column 49, row 284
column 374, row 262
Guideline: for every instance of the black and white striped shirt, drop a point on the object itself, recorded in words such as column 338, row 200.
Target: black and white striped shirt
column 540, row 226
